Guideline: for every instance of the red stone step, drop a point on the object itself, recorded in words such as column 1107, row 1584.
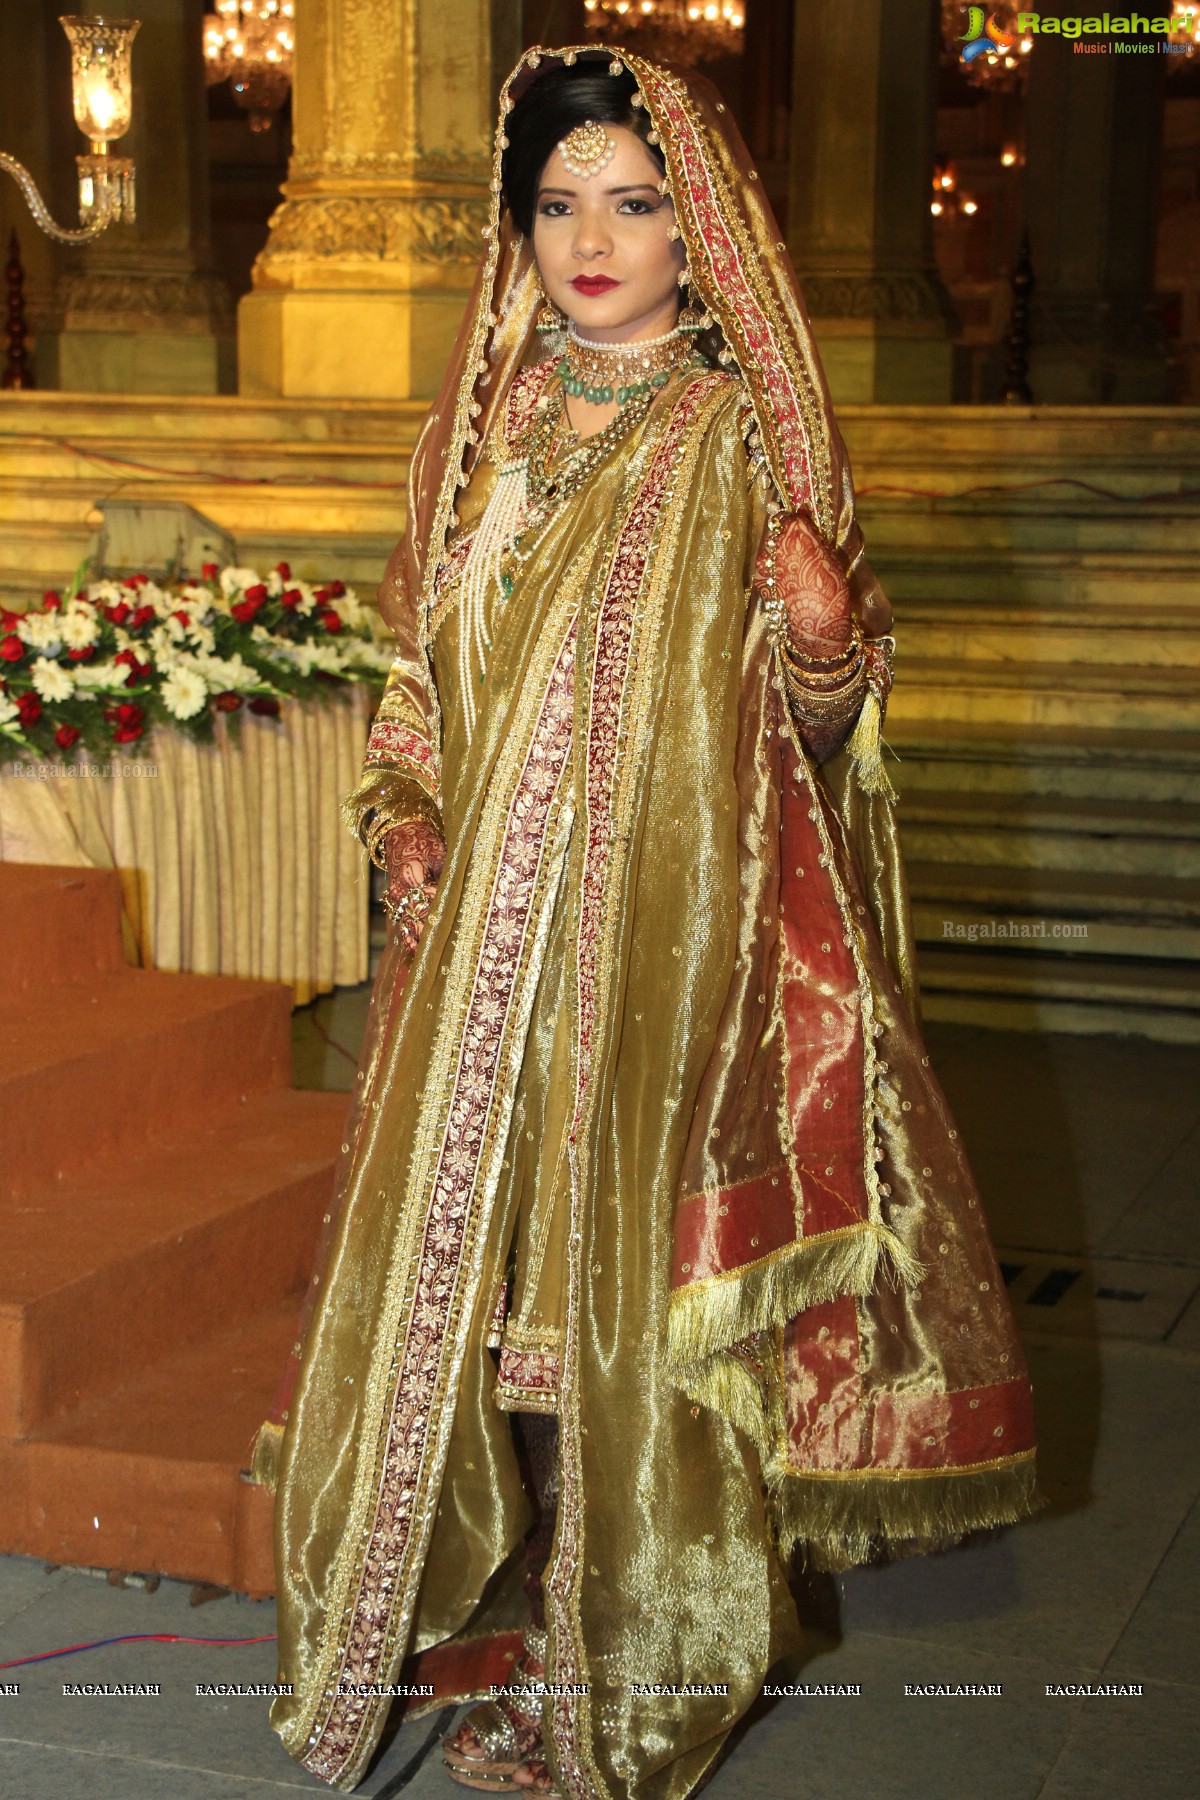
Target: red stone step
column 96, row 1070
column 60, row 925
column 106, row 1273
column 147, row 1476
column 161, row 1192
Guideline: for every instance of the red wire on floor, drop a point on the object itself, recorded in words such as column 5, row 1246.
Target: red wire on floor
column 137, row 1637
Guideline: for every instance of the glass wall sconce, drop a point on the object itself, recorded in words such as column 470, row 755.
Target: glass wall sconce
column 102, row 89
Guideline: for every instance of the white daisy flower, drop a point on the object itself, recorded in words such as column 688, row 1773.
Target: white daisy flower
column 79, row 627
column 51, row 681
column 184, row 693
column 41, row 631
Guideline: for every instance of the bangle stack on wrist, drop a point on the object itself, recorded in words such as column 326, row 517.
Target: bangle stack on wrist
column 825, row 691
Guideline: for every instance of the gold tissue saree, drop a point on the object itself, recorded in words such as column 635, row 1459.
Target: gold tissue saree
column 648, row 1134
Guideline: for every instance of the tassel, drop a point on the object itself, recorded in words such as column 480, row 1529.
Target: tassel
column 501, row 521
column 865, row 745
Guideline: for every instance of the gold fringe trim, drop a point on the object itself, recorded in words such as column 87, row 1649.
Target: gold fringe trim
column 865, row 745
column 264, row 1458
column 725, row 1385
column 839, row 1523
column 391, row 794
column 717, row 1311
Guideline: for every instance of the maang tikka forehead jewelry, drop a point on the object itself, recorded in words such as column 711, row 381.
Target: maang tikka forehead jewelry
column 586, row 150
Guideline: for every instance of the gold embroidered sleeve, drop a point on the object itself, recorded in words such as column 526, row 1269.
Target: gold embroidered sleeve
column 401, row 771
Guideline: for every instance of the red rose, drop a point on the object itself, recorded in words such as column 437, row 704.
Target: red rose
column 117, row 613
column 183, row 617
column 228, row 701
column 136, row 581
column 291, row 598
column 84, row 655
column 246, row 611
column 52, row 600
column 29, row 709
column 8, row 620
column 11, row 648
column 138, row 671
column 284, row 571
column 331, row 620
column 322, row 594
column 337, row 589
column 257, row 593
column 208, row 571
column 126, row 721
column 142, row 616
column 65, row 736
column 266, row 704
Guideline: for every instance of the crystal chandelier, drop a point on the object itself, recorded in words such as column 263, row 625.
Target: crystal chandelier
column 985, row 44
column 251, row 44
column 683, row 31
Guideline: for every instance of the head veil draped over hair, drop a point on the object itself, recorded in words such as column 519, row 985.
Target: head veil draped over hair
column 740, row 272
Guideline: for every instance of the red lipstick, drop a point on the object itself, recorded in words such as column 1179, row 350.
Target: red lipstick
column 594, row 284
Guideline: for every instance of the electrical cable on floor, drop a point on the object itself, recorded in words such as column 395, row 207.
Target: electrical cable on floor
column 136, row 1637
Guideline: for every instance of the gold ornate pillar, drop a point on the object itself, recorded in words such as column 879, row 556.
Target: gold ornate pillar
column 360, row 287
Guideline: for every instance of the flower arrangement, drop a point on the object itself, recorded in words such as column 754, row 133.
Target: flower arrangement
column 114, row 659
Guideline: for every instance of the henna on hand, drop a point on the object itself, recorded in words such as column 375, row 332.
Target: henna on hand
column 812, row 587
column 414, row 851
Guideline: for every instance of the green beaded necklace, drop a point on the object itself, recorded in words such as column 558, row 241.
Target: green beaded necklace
column 601, row 373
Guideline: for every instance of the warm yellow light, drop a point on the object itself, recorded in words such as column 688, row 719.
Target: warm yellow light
column 970, row 206
column 936, row 208
column 102, row 87
column 1008, row 157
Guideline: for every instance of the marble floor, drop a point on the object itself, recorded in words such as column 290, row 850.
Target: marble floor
column 1086, row 1151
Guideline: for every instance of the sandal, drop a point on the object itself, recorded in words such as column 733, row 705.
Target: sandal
column 504, row 1735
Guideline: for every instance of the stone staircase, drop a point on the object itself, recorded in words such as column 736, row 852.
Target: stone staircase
column 1047, row 712
column 163, row 1189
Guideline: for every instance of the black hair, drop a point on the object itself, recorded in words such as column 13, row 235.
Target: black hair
column 553, row 104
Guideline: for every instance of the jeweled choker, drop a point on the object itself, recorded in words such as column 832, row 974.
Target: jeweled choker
column 600, row 373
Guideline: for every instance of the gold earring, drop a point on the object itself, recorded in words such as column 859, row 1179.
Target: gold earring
column 549, row 318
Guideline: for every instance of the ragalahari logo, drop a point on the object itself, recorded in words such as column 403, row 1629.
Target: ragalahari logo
column 983, row 37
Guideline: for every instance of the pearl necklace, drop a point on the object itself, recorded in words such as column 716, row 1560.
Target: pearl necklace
column 600, row 373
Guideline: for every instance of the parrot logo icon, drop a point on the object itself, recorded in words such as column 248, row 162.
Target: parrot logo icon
column 983, row 37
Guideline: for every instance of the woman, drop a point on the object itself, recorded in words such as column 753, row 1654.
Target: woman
column 647, row 1157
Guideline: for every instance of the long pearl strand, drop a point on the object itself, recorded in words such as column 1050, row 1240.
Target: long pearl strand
column 499, row 524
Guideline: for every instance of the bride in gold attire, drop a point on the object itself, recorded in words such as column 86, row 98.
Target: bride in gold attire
column 655, row 1256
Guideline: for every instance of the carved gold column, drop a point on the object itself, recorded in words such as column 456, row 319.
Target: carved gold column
column 360, row 287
